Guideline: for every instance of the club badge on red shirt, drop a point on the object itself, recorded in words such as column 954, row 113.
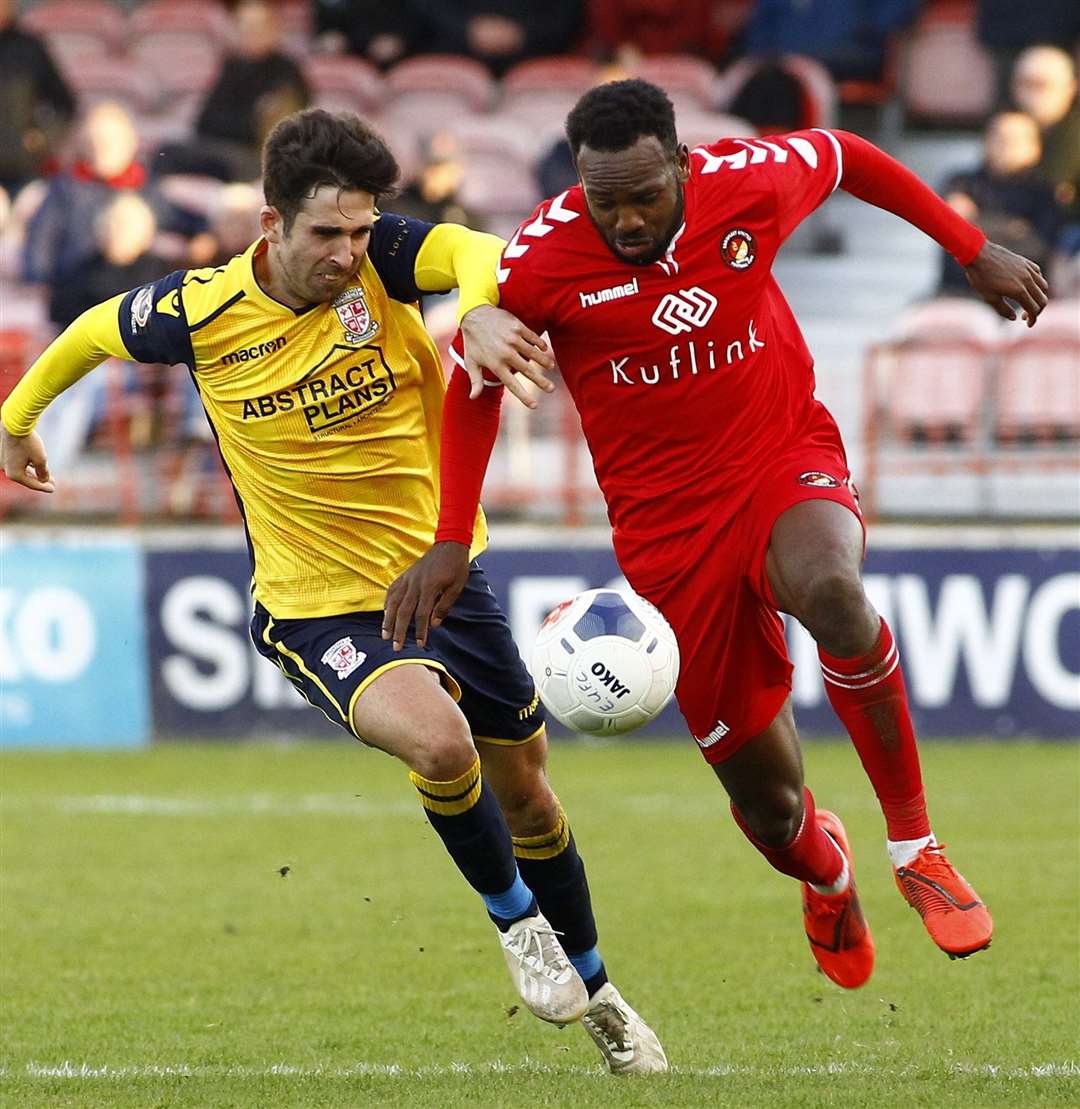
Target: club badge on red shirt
column 738, row 249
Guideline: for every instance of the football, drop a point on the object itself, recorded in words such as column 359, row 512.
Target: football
column 605, row 662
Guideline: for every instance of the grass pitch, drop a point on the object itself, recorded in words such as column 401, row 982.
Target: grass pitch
column 155, row 950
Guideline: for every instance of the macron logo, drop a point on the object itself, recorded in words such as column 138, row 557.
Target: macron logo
column 616, row 292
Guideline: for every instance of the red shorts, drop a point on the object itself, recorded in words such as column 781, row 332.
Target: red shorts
column 735, row 674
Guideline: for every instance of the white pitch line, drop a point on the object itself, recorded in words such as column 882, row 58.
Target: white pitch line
column 109, row 1072
column 138, row 804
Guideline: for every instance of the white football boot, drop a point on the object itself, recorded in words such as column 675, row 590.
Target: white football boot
column 627, row 1043
column 546, row 979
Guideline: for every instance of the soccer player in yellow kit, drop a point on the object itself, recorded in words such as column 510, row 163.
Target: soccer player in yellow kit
column 325, row 393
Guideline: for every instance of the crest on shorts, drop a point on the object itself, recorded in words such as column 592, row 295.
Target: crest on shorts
column 355, row 316
column 738, row 248
column 343, row 657
column 818, row 479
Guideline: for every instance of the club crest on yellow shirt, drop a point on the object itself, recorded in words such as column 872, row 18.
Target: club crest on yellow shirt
column 355, row 316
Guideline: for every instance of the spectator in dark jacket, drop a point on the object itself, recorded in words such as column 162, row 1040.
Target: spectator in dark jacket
column 257, row 86
column 501, row 33
column 379, row 32
column 36, row 105
column 1005, row 196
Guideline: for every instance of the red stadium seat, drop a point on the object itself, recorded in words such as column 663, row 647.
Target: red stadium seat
column 340, row 82
column 704, row 128
column 936, row 391
column 448, row 75
column 99, row 18
column 950, row 318
column 566, row 72
column 539, row 93
column 179, row 61
column 689, row 81
column 816, row 85
column 1038, row 388
column 194, row 16
column 947, row 76
column 108, row 78
column 931, row 379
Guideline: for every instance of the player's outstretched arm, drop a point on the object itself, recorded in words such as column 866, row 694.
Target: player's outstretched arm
column 425, row 592
column 999, row 276
column 93, row 337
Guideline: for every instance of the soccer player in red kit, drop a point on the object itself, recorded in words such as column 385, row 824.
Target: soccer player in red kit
column 726, row 481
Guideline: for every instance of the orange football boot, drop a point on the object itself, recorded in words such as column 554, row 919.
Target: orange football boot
column 835, row 926
column 958, row 922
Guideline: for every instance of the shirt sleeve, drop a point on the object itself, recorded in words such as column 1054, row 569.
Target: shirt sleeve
column 469, row 429
column 804, row 168
column 873, row 176
column 452, row 257
column 393, row 250
column 153, row 322
column 92, row 338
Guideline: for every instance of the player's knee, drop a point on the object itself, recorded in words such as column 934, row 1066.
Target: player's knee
column 444, row 753
column 529, row 805
column 776, row 814
column 835, row 610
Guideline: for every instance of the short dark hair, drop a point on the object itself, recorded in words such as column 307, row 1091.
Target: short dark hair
column 614, row 116
column 314, row 147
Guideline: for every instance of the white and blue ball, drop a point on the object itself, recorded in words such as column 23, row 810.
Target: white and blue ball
column 605, row 662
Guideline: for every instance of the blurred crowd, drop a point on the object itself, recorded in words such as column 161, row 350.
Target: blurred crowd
column 130, row 134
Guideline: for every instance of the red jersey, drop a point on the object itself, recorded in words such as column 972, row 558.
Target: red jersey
column 689, row 373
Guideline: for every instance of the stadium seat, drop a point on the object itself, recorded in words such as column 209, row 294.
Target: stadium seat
column 703, row 128
column 564, row 72
column 946, row 76
column 929, row 382
column 949, row 318
column 936, row 391
column 340, row 82
column 179, row 61
column 428, row 76
column 1038, row 385
column 539, row 93
column 817, row 86
column 98, row 18
column 689, row 81
column 68, row 48
column 109, row 78
column 194, row 16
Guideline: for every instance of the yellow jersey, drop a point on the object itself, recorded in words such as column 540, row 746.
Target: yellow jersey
column 327, row 417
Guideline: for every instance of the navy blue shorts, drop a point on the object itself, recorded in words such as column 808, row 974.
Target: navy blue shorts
column 332, row 659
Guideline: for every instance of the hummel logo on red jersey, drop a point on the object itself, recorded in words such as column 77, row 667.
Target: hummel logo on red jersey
column 615, row 292
column 684, row 310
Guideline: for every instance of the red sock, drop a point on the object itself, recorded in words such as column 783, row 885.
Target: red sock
column 811, row 856
column 868, row 695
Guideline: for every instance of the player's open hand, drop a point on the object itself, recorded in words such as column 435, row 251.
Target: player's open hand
column 998, row 276
column 425, row 593
column 500, row 343
column 24, row 461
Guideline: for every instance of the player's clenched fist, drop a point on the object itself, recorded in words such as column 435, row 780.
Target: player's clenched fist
column 24, row 460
